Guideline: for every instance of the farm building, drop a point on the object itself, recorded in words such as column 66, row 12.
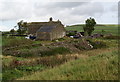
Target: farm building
column 47, row 30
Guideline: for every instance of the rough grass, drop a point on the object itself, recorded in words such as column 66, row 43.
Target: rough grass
column 93, row 64
column 28, row 50
column 100, row 67
column 58, row 50
column 17, row 67
column 12, row 41
column 13, row 73
column 37, row 52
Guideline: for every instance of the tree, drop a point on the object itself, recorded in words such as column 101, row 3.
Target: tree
column 22, row 27
column 12, row 31
column 20, row 24
column 89, row 26
column 20, row 31
column 19, row 27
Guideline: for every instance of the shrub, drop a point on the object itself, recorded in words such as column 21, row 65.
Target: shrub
column 61, row 39
column 80, row 47
column 58, row 50
column 25, row 53
column 55, row 60
column 70, row 34
column 112, row 37
column 31, row 68
column 42, row 51
column 97, row 44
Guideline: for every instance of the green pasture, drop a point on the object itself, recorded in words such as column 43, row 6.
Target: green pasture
column 105, row 29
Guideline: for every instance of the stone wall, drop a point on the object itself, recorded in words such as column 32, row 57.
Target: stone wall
column 58, row 32
column 42, row 36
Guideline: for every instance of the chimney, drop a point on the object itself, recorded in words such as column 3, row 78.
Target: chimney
column 50, row 19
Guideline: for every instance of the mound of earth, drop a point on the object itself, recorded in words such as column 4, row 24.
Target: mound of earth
column 74, row 45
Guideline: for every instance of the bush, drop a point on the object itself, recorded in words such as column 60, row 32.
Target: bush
column 112, row 37
column 70, row 34
column 37, row 52
column 25, row 53
column 61, row 39
column 80, row 47
column 59, row 50
column 31, row 68
column 97, row 44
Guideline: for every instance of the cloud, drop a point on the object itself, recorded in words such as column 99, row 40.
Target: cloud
column 14, row 10
column 67, row 12
column 17, row 10
column 4, row 28
column 62, row 4
column 88, row 9
column 114, row 8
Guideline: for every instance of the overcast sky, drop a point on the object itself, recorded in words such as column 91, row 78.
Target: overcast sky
column 69, row 13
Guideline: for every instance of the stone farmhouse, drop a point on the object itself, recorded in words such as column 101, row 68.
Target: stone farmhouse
column 50, row 30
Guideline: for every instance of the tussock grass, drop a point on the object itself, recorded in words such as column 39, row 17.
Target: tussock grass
column 95, row 64
column 38, row 52
column 58, row 50
column 12, row 41
column 15, row 67
column 100, row 67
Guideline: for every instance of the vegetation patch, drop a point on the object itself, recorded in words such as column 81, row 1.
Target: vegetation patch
column 30, row 68
column 19, row 67
column 12, row 41
column 98, row 44
column 112, row 37
column 24, row 57
column 108, row 29
column 100, row 67
column 13, row 73
column 71, row 34
column 58, row 50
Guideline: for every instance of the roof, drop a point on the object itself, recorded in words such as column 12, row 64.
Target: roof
column 47, row 28
column 43, row 23
column 43, row 26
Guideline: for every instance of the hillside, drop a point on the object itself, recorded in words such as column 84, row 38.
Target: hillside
column 63, row 59
column 98, row 28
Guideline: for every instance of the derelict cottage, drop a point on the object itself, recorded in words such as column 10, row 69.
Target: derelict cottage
column 47, row 30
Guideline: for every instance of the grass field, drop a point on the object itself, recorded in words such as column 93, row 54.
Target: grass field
column 102, row 66
column 98, row 29
column 96, row 64
column 25, row 59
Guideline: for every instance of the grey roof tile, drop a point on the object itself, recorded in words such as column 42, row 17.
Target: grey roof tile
column 46, row 28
